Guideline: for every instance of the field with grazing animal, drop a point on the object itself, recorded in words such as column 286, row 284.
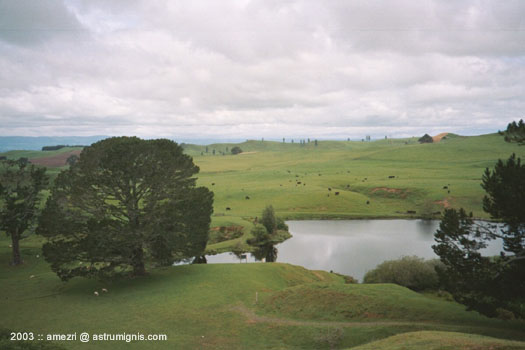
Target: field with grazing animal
column 274, row 305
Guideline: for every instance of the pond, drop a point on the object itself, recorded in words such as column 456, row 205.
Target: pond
column 353, row 247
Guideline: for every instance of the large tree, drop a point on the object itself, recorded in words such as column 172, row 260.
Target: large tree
column 125, row 202
column 20, row 186
column 488, row 283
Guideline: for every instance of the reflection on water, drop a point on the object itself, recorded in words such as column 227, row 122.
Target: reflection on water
column 351, row 247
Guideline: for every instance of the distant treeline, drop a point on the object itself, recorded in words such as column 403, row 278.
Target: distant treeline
column 57, row 147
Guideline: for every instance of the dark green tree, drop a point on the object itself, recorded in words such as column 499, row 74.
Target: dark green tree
column 269, row 220
column 20, row 186
column 488, row 283
column 426, row 139
column 236, row 150
column 72, row 159
column 515, row 132
column 125, row 202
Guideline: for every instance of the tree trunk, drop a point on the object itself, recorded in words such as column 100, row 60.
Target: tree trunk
column 16, row 249
column 138, row 262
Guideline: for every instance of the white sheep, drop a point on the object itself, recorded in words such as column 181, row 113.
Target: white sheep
column 96, row 293
column 104, row 290
column 32, row 276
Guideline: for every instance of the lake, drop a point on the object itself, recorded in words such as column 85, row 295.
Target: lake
column 353, row 247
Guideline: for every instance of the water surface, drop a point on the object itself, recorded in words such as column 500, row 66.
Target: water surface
column 353, row 247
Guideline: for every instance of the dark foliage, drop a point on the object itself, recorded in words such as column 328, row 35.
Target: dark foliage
column 20, row 185
column 125, row 202
column 515, row 132
column 236, row 150
column 488, row 284
column 426, row 139
column 53, row 148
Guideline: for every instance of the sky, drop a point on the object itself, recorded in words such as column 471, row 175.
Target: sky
column 263, row 68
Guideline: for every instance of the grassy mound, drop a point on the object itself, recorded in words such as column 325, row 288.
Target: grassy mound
column 364, row 302
column 201, row 306
column 441, row 341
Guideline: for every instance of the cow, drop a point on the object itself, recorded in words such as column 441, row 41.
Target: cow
column 337, row 193
column 228, row 208
column 391, row 177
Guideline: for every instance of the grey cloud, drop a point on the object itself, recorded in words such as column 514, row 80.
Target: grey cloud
column 26, row 22
column 250, row 69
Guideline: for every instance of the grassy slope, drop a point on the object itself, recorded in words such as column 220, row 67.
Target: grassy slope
column 268, row 171
column 440, row 341
column 421, row 172
column 197, row 306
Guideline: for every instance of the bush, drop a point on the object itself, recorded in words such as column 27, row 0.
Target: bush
column 409, row 271
column 426, row 139
column 281, row 225
column 236, row 150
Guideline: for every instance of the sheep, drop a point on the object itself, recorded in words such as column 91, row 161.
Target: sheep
column 104, row 290
column 32, row 276
column 96, row 293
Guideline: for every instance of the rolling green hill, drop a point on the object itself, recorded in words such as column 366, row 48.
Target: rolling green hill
column 214, row 306
column 301, row 181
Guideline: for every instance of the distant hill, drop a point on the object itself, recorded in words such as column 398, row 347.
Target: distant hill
column 10, row 143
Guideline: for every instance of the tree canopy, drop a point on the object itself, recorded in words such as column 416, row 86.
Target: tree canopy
column 488, row 283
column 125, row 202
column 236, row 150
column 426, row 139
column 20, row 185
column 515, row 132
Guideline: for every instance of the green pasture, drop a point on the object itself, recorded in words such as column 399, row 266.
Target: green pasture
column 214, row 306
column 268, row 173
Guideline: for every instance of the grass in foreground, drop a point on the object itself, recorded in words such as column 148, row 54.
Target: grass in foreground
column 213, row 306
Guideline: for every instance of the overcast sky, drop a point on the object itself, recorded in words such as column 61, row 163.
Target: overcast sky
column 263, row 68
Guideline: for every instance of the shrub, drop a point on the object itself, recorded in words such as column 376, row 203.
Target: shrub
column 281, row 225
column 426, row 139
column 236, row 150
column 409, row 271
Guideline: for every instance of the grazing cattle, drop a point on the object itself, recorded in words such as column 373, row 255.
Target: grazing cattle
column 328, row 195
column 247, row 197
column 411, row 211
column 448, row 191
column 329, row 188
column 445, row 187
column 391, row 176
column 304, row 184
column 337, row 193
column 213, row 183
column 299, row 182
column 281, row 185
column 228, row 208
column 367, row 202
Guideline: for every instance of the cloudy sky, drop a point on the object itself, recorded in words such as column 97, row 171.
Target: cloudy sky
column 262, row 68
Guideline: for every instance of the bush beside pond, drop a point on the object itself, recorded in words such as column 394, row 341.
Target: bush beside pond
column 410, row 271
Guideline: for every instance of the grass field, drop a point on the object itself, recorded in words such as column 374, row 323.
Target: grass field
column 213, row 307
column 269, row 172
